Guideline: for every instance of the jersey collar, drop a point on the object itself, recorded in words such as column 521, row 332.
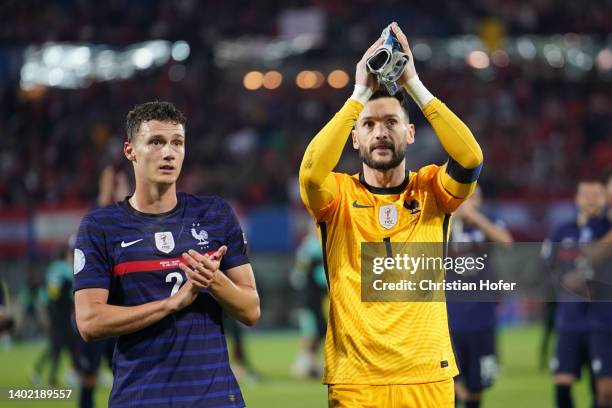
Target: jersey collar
column 125, row 204
column 385, row 190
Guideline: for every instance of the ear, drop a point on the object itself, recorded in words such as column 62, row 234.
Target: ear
column 128, row 151
column 410, row 131
column 355, row 140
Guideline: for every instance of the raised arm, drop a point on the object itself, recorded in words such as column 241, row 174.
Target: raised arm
column 318, row 187
column 460, row 173
column 317, row 184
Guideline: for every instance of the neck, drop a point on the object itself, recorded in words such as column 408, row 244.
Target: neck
column 385, row 178
column 154, row 199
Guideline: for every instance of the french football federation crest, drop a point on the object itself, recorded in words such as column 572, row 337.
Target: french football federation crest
column 387, row 216
column 164, row 241
column 201, row 236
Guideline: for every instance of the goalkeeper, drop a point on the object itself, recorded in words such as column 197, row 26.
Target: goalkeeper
column 385, row 354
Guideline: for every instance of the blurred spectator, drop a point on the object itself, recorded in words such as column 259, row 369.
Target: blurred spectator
column 57, row 297
column 6, row 321
column 251, row 142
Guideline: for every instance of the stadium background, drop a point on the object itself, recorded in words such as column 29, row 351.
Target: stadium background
column 257, row 81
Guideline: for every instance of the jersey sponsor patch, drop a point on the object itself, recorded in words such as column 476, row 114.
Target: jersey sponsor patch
column 79, row 261
column 387, row 216
column 164, row 241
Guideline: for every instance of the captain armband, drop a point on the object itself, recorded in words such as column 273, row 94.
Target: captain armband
column 460, row 174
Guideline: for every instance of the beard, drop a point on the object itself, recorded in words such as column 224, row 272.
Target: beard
column 397, row 155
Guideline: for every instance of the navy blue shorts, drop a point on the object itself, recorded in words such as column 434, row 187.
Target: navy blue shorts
column 90, row 355
column 601, row 353
column 572, row 353
column 476, row 358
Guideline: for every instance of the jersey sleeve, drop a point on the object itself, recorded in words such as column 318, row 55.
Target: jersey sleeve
column 326, row 212
column 235, row 240
column 430, row 178
column 92, row 266
column 461, row 171
column 318, row 183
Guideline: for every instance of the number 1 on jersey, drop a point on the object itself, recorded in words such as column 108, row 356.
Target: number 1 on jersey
column 177, row 284
column 388, row 248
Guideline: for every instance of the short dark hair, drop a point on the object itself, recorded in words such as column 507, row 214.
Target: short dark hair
column 155, row 110
column 400, row 95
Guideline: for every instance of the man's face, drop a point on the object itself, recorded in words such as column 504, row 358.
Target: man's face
column 609, row 192
column 157, row 151
column 382, row 133
column 590, row 198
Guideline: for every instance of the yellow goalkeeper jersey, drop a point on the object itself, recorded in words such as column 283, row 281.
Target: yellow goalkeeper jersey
column 383, row 342
column 380, row 342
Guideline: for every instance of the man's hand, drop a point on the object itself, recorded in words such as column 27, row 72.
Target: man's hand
column 204, row 266
column 184, row 297
column 362, row 76
column 410, row 70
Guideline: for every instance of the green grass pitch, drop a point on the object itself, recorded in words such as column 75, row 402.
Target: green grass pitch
column 520, row 382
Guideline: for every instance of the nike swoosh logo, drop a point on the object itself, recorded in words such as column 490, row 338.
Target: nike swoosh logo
column 127, row 244
column 357, row 205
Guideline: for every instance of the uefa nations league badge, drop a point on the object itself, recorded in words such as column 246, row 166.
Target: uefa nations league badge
column 164, row 241
column 387, row 216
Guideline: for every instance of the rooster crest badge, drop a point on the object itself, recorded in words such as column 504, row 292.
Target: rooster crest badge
column 201, row 236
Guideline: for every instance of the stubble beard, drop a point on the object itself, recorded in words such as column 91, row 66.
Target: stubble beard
column 365, row 154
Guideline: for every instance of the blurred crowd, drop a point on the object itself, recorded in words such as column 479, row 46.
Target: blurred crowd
column 127, row 21
column 540, row 134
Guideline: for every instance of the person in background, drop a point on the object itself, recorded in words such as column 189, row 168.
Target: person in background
column 561, row 251
column 308, row 278
column 473, row 324
column 57, row 297
column 241, row 364
column 7, row 323
column 599, row 255
column 113, row 186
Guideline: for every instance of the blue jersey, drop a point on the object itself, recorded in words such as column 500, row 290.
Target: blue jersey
column 572, row 315
column 464, row 317
column 182, row 360
column 601, row 310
